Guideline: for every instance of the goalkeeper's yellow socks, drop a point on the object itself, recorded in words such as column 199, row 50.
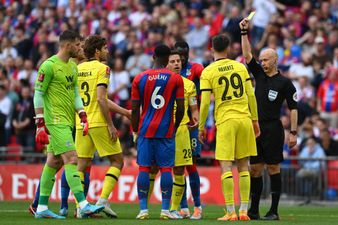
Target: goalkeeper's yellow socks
column 228, row 191
column 110, row 180
column 177, row 192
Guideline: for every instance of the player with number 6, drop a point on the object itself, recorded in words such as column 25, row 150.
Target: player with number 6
column 155, row 91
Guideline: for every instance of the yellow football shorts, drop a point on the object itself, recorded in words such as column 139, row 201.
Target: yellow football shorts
column 183, row 152
column 235, row 139
column 98, row 139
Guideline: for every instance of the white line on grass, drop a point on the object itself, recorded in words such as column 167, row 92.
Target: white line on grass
column 12, row 210
column 311, row 215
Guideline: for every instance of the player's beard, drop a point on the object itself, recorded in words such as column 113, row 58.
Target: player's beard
column 73, row 54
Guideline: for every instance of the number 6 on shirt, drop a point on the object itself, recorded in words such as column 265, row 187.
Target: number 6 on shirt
column 160, row 102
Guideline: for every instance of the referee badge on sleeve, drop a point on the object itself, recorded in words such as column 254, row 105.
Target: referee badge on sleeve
column 295, row 98
column 272, row 95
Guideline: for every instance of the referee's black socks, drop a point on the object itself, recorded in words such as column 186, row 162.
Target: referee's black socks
column 276, row 186
column 256, row 191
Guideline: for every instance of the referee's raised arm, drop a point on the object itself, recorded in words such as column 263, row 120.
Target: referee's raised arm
column 246, row 48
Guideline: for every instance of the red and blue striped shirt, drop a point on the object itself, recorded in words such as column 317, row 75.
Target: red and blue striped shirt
column 157, row 90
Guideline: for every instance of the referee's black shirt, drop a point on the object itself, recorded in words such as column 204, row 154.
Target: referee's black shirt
column 271, row 92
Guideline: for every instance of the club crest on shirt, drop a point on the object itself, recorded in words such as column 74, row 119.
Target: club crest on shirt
column 107, row 72
column 41, row 77
column 68, row 143
column 272, row 95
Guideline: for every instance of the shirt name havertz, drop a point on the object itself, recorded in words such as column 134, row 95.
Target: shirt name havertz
column 225, row 68
column 272, row 95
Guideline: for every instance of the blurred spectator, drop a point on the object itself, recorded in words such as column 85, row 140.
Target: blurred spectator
column 138, row 62
column 23, row 44
column 23, row 122
column 119, row 83
column 304, row 68
column 310, row 169
column 5, row 108
column 335, row 57
column 230, row 24
column 328, row 97
column 329, row 145
column 320, row 53
column 7, row 49
column 28, row 72
column 264, row 11
column 197, row 39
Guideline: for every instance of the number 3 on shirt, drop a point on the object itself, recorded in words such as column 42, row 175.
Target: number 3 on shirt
column 157, row 101
column 85, row 88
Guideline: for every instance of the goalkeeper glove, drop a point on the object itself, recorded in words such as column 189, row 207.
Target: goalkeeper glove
column 41, row 130
column 84, row 122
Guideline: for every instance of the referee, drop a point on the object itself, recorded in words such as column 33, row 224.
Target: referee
column 271, row 90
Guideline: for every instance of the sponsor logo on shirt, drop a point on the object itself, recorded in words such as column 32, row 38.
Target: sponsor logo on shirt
column 272, row 95
column 41, row 77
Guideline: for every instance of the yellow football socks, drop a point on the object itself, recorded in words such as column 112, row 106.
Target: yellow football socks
column 110, row 180
column 177, row 192
column 228, row 191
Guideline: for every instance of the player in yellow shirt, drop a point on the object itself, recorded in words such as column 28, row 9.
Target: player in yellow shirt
column 183, row 153
column 236, row 121
column 102, row 135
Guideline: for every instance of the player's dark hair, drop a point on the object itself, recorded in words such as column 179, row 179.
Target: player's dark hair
column 220, row 42
column 174, row 52
column 69, row 35
column 92, row 43
column 181, row 44
column 161, row 55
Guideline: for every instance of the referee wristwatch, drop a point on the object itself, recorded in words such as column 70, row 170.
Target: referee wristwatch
column 293, row 132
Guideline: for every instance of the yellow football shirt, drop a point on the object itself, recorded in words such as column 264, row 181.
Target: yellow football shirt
column 189, row 94
column 226, row 79
column 91, row 74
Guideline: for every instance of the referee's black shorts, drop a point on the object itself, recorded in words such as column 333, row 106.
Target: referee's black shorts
column 269, row 143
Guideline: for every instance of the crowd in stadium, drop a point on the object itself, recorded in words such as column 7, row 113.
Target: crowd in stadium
column 303, row 32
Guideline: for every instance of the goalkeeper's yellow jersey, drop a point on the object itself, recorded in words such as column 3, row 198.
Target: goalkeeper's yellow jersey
column 92, row 74
column 227, row 80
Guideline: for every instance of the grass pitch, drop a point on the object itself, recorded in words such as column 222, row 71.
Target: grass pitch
column 16, row 213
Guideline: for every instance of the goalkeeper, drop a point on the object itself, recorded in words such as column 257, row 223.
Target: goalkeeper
column 56, row 99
